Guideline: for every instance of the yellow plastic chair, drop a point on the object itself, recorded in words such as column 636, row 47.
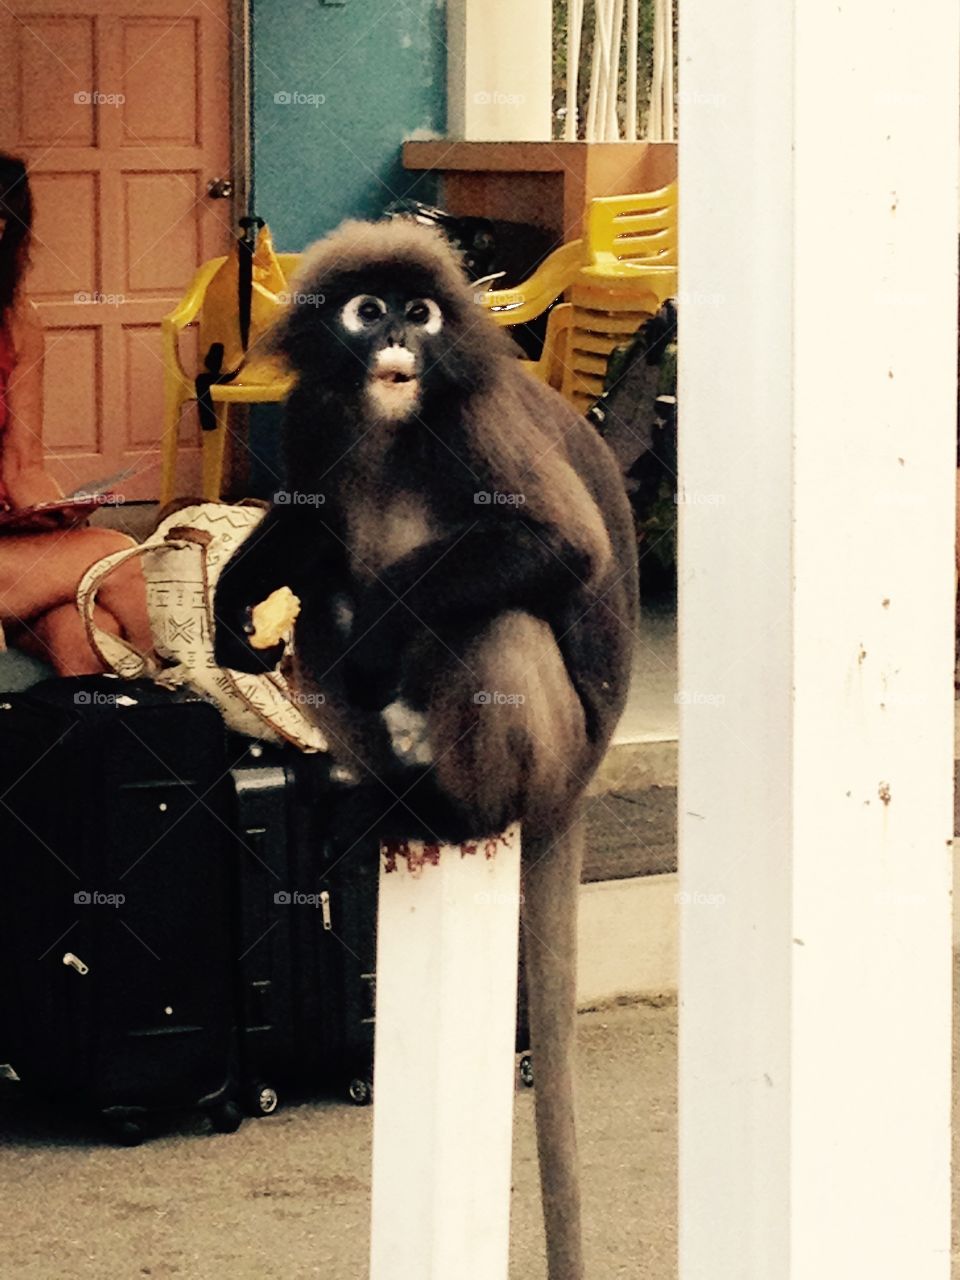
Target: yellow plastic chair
column 533, row 296
column 263, row 380
column 631, row 233
column 614, row 279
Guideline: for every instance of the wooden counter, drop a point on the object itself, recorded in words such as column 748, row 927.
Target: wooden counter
column 546, row 183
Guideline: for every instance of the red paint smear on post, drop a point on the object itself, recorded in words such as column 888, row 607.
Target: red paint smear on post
column 429, row 854
column 417, row 857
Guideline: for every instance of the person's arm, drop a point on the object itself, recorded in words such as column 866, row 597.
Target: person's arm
column 21, row 455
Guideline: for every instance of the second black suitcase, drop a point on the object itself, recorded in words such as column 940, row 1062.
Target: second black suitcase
column 306, row 955
column 307, row 934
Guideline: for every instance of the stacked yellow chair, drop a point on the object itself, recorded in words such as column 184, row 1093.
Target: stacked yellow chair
column 613, row 279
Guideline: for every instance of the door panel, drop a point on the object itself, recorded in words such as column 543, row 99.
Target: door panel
column 155, row 53
column 73, row 405
column 121, row 109
column 56, row 53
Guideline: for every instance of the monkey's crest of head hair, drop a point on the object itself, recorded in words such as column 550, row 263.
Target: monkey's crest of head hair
column 357, row 247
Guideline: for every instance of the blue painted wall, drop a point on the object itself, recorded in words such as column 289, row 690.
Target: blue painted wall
column 370, row 72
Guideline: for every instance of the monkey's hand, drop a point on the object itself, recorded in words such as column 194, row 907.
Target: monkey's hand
column 288, row 548
column 272, row 619
column 233, row 645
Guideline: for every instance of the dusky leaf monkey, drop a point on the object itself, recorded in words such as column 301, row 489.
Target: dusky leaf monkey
column 465, row 558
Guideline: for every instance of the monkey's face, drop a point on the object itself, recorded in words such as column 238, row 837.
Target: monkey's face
column 383, row 320
column 391, row 334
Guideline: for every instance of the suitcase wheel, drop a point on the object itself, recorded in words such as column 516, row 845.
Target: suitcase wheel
column 526, row 1070
column 226, row 1117
column 129, row 1133
column 262, row 1100
column 360, row 1092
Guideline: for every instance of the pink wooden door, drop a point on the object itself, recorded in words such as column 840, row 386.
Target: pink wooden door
column 122, row 110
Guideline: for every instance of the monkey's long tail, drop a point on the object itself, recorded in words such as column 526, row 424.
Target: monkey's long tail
column 551, row 882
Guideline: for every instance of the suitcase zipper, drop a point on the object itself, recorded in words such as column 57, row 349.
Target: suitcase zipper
column 74, row 962
column 325, row 910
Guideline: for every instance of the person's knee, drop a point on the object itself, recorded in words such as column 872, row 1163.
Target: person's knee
column 107, row 542
column 62, row 634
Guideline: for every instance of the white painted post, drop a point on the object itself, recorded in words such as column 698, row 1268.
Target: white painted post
column 818, row 171
column 444, row 1060
column 500, row 70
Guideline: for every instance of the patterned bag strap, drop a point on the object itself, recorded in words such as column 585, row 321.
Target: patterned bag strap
column 114, row 652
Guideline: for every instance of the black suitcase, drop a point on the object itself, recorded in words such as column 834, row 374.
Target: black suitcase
column 307, row 935
column 116, row 916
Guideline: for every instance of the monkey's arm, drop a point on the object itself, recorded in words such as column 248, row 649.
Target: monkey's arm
column 290, row 547
column 497, row 564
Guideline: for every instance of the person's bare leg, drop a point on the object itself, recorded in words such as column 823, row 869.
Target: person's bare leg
column 60, row 638
column 39, row 572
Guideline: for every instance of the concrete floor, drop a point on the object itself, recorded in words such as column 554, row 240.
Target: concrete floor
column 651, row 714
column 288, row 1196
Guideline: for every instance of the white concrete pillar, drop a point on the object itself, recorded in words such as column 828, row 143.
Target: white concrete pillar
column 444, row 1060
column 818, row 168
column 500, row 70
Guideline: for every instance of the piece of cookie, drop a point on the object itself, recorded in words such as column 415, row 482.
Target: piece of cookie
column 272, row 619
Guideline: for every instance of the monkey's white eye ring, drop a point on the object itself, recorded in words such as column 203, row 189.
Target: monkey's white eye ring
column 426, row 313
column 362, row 311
